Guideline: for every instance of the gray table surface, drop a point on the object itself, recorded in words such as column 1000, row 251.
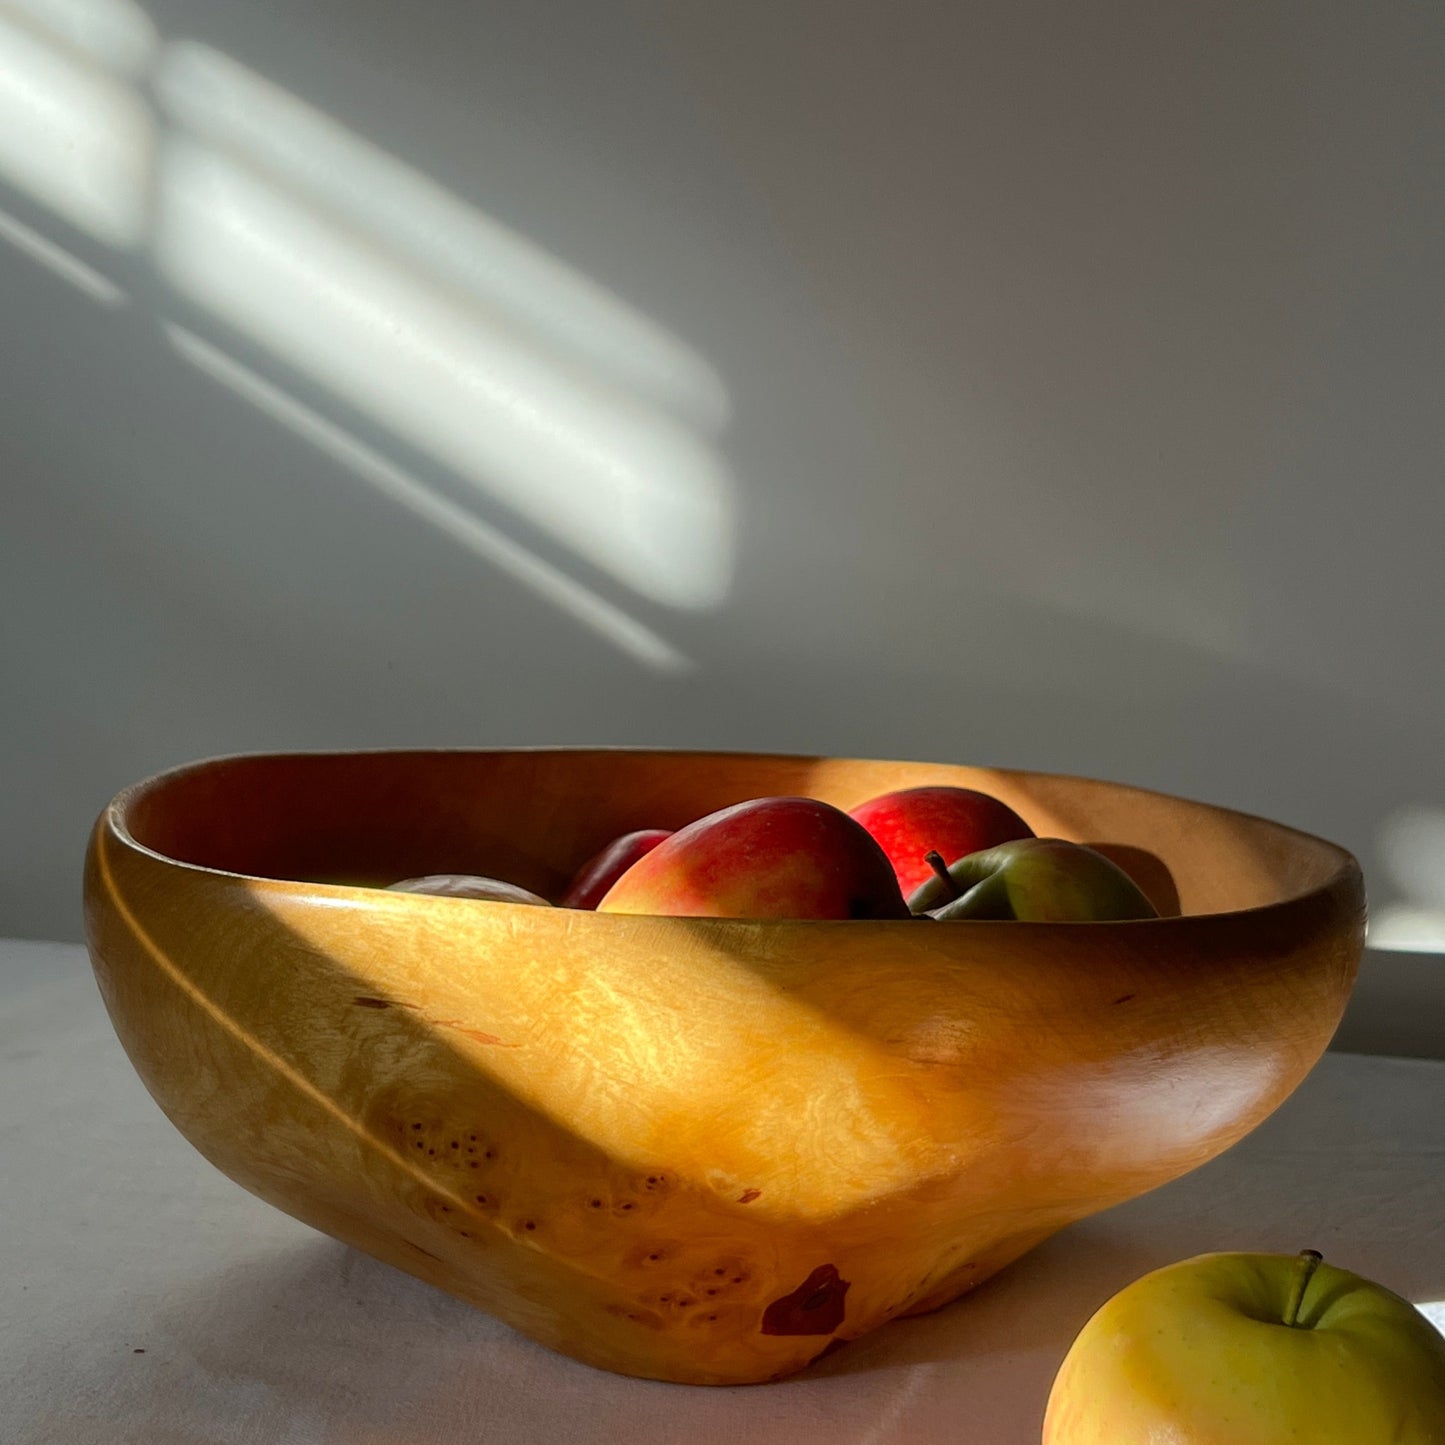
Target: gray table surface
column 146, row 1300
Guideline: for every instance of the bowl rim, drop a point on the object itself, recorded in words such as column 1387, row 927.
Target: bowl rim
column 1346, row 873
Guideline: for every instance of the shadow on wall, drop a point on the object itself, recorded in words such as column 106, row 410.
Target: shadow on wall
column 290, row 237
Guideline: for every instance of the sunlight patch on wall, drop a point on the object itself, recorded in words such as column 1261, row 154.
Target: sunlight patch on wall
column 1412, row 854
column 61, row 262
column 75, row 138
column 212, row 98
column 627, row 488
column 400, row 487
column 116, row 33
column 1412, row 849
column 1399, row 928
column 471, row 344
column 520, row 376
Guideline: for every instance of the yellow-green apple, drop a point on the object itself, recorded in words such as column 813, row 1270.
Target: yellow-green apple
column 766, row 858
column 602, row 870
column 912, row 822
column 1251, row 1349
column 468, row 885
column 1038, row 880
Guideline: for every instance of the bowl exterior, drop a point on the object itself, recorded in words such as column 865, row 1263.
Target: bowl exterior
column 692, row 1149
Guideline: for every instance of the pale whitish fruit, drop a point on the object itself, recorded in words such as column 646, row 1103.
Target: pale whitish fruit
column 468, row 885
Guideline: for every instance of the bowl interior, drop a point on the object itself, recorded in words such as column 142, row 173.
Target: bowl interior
column 532, row 816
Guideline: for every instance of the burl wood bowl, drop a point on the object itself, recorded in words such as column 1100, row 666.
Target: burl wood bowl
column 691, row 1149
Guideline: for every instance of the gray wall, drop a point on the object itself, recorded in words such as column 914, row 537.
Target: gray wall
column 1050, row 385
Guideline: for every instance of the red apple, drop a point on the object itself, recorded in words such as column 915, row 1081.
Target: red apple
column 603, row 869
column 912, row 822
column 767, row 858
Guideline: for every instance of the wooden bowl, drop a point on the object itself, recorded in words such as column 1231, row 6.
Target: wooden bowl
column 701, row 1150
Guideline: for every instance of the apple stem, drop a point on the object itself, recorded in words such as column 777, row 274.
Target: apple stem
column 934, row 859
column 1310, row 1261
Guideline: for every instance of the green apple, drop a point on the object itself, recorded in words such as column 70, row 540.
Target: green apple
column 1251, row 1349
column 1038, row 880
